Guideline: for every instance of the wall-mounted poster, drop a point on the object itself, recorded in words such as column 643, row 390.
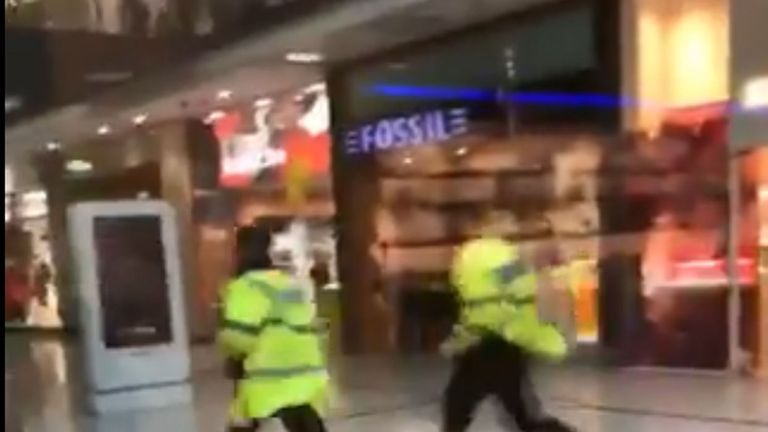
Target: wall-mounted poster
column 262, row 141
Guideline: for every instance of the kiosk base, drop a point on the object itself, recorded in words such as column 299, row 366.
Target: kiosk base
column 137, row 398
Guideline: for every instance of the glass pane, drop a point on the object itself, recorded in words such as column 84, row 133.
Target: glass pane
column 133, row 281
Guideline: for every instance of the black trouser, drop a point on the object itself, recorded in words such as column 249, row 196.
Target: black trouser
column 497, row 368
column 302, row 418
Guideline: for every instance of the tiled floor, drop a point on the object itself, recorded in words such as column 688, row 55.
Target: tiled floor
column 383, row 395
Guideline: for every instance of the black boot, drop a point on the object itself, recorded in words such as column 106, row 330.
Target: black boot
column 252, row 427
column 550, row 424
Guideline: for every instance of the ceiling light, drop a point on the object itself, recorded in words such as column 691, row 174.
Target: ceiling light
column 262, row 103
column 398, row 65
column 509, row 62
column 104, row 129
column 304, row 57
column 213, row 116
column 224, row 95
column 461, row 151
column 79, row 165
column 408, row 160
column 109, row 77
column 52, row 146
column 318, row 87
column 140, row 119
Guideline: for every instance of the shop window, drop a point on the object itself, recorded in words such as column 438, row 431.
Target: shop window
column 678, row 188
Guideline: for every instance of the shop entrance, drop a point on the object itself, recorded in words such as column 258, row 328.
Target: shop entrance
column 477, row 133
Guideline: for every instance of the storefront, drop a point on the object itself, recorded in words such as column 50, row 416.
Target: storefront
column 133, row 163
column 498, row 129
column 237, row 162
column 748, row 140
column 595, row 133
column 606, row 157
column 273, row 160
column 694, row 68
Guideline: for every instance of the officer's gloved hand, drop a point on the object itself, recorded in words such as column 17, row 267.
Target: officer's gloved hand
column 449, row 348
column 548, row 342
column 551, row 425
column 536, row 337
column 458, row 342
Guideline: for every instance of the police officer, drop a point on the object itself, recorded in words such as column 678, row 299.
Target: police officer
column 498, row 329
column 268, row 327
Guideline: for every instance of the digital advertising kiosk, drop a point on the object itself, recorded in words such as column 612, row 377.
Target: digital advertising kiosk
column 130, row 305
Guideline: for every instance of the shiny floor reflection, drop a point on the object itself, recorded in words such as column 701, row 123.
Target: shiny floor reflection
column 43, row 388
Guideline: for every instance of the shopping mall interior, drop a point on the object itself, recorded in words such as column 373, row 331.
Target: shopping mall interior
column 622, row 145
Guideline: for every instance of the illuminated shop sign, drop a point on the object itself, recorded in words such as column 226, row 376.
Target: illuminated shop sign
column 429, row 127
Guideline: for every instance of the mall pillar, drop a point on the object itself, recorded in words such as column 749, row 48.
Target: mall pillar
column 364, row 306
column 177, row 189
column 213, row 215
column 748, row 130
column 366, row 310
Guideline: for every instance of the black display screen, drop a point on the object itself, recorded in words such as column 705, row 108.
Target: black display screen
column 133, row 281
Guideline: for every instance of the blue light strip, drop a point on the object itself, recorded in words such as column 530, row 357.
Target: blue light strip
column 428, row 92
column 479, row 95
column 564, row 99
column 596, row 100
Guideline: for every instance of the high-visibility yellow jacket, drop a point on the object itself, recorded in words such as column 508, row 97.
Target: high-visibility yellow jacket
column 268, row 321
column 497, row 294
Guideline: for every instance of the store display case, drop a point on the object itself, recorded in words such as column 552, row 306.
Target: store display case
column 688, row 312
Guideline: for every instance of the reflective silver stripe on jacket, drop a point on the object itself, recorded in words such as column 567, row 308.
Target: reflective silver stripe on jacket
column 286, row 296
column 283, row 372
column 502, row 298
column 278, row 298
column 256, row 329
